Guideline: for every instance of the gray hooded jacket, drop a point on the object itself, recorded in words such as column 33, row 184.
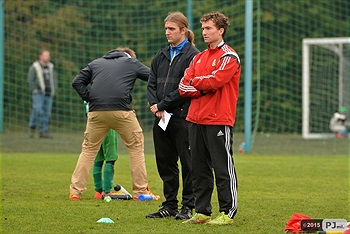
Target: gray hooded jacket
column 112, row 78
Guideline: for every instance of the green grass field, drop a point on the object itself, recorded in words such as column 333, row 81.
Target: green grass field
column 35, row 190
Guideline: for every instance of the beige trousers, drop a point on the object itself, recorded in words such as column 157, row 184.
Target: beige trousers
column 128, row 127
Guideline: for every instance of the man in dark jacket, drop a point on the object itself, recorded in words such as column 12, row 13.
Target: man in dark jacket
column 167, row 69
column 111, row 77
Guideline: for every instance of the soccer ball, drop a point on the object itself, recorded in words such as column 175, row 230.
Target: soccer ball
column 107, row 199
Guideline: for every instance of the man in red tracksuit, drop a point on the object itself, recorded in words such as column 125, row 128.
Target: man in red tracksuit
column 212, row 81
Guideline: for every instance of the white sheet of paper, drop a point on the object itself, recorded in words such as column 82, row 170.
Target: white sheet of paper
column 164, row 124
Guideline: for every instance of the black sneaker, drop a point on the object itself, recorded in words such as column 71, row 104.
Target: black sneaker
column 162, row 213
column 32, row 132
column 185, row 213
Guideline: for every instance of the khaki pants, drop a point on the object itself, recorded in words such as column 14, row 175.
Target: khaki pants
column 98, row 124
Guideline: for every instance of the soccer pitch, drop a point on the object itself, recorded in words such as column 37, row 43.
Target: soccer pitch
column 35, row 191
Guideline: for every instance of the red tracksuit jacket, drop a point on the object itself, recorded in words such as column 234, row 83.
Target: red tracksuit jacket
column 212, row 81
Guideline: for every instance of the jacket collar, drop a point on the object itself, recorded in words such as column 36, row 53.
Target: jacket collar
column 114, row 54
column 185, row 49
column 221, row 44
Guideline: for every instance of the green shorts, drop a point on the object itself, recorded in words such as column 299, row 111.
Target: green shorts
column 109, row 147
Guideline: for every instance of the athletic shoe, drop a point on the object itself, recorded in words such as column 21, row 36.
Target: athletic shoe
column 222, row 219
column 198, row 218
column 45, row 135
column 73, row 197
column 32, row 133
column 339, row 135
column 98, row 195
column 162, row 213
column 155, row 197
column 185, row 213
column 109, row 194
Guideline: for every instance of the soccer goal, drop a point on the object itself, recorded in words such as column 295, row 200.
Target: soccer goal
column 326, row 87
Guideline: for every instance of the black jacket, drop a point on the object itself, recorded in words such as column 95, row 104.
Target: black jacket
column 112, row 77
column 164, row 80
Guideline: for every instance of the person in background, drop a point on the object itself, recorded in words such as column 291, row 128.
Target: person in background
column 43, row 80
column 212, row 83
column 167, row 69
column 112, row 77
column 338, row 125
column 107, row 155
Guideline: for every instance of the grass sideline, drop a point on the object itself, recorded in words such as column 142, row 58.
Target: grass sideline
column 35, row 191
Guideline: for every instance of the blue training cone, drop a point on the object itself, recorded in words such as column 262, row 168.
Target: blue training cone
column 105, row 220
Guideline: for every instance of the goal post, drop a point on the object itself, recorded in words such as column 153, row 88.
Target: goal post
column 325, row 83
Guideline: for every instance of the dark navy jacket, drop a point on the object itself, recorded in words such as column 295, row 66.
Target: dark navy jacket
column 164, row 80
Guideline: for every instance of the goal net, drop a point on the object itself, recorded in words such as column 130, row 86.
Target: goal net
column 326, row 85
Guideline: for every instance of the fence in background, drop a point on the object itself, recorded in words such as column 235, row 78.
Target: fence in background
column 76, row 32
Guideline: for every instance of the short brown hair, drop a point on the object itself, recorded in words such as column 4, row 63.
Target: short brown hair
column 41, row 51
column 127, row 50
column 219, row 19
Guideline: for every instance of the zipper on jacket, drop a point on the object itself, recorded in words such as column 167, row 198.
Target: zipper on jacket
column 167, row 77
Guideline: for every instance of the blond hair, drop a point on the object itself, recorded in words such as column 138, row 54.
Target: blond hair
column 181, row 20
